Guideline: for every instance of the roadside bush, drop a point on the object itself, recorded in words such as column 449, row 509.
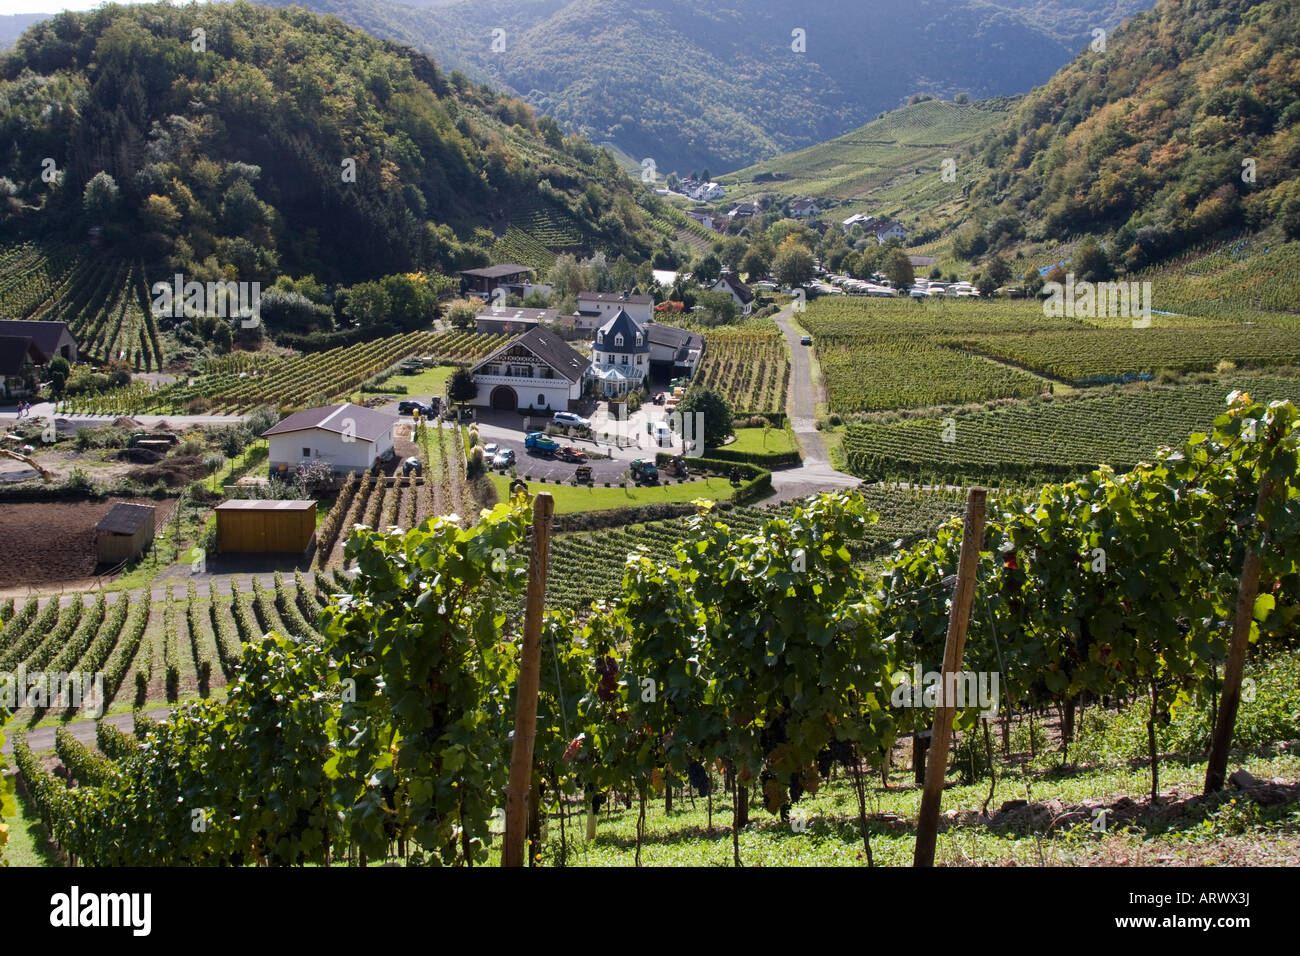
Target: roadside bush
column 102, row 436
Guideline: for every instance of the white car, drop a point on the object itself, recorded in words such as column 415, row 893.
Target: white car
column 504, row 458
column 489, row 451
column 569, row 418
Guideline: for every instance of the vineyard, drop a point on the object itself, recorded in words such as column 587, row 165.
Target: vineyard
column 764, row 656
column 585, row 566
column 154, row 650
column 381, row 502
column 518, row 246
column 298, row 382
column 103, row 299
column 887, row 354
column 1040, row 440
column 1102, row 355
column 750, row 369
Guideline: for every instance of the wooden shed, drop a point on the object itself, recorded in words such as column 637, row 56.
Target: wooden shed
column 124, row 533
column 254, row 526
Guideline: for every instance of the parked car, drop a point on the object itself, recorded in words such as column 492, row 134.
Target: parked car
column 411, row 406
column 659, row 398
column 572, row 454
column 412, row 466
column 540, row 442
column 806, row 340
column 582, row 474
column 504, row 458
column 490, row 450
column 569, row 418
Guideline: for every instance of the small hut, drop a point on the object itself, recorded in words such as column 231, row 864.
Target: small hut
column 257, row 526
column 124, row 533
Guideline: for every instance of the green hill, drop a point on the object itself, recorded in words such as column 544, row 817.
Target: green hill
column 895, row 162
column 1182, row 130
column 236, row 142
column 696, row 86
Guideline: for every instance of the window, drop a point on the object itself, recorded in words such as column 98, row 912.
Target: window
column 541, row 400
column 624, row 359
column 600, row 337
column 306, row 453
column 638, row 359
column 638, row 338
column 618, row 340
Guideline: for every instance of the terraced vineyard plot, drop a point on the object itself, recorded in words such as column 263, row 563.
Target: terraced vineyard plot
column 750, row 369
column 1105, row 354
column 877, row 375
column 304, row 380
column 103, row 299
column 1040, row 440
column 589, row 567
column 523, row 248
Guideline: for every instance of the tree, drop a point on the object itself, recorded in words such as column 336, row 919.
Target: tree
column 1090, row 263
column 707, row 270
column 756, row 263
column 717, row 415
column 998, row 270
column 986, row 283
column 899, row 271
column 59, row 372
column 793, row 265
column 461, row 387
column 100, row 197
column 462, row 313
column 715, row 308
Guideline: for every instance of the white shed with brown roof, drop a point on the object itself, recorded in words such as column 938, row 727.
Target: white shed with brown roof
column 348, row 437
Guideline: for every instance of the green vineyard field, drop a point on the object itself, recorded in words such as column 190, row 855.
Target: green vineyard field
column 103, row 299
column 1043, row 440
column 750, row 369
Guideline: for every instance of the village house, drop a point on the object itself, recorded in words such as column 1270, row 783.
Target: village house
column 347, row 437
column 534, row 371
column 730, row 283
column 509, row 276
column 805, row 208
column 512, row 321
column 744, row 210
column 597, row 308
column 702, row 216
column 21, row 361
column 54, row 339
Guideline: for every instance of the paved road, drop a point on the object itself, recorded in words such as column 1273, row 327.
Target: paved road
column 816, row 474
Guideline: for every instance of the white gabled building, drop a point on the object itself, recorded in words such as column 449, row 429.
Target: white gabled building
column 532, row 372
column 348, row 437
column 730, row 283
column 597, row 308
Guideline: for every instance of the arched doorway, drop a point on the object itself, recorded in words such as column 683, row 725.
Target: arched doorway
column 504, row 397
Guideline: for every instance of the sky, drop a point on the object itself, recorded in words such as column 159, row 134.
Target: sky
column 53, row 6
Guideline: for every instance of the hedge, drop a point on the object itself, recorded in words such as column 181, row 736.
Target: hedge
column 771, row 459
column 757, row 482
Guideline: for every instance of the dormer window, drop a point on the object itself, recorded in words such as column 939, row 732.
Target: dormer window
column 600, row 337
column 618, row 340
column 638, row 338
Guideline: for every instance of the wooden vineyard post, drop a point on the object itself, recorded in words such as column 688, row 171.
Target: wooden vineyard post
column 530, row 660
column 1247, row 592
column 927, row 824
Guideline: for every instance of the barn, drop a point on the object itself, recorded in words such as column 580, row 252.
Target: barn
column 124, row 533
column 266, row 526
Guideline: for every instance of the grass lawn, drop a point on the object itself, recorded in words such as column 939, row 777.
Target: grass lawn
column 570, row 499
column 751, row 441
column 421, row 386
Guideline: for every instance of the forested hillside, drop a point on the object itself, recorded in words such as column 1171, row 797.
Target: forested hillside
column 241, row 142
column 1184, row 127
column 695, row 86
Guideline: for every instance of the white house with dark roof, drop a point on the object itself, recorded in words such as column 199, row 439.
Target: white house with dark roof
column 533, row 371
column 597, row 308
column 348, row 437
column 620, row 355
column 805, row 208
column 743, row 296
